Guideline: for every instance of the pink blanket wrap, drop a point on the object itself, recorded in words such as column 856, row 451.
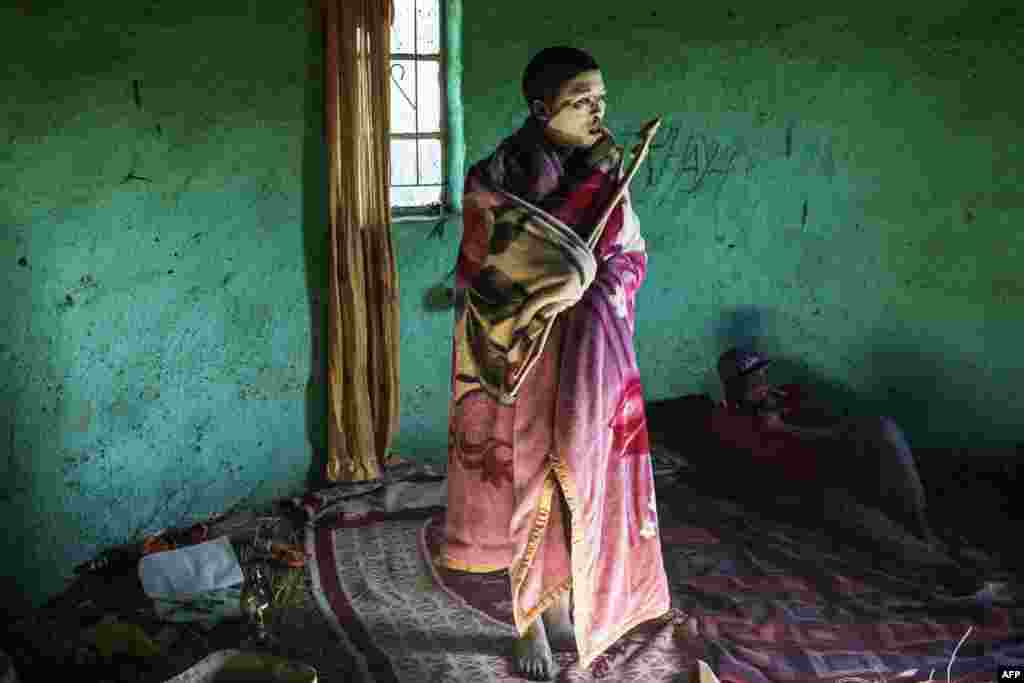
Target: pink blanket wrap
column 546, row 395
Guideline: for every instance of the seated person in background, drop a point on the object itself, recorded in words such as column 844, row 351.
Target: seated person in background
column 798, row 446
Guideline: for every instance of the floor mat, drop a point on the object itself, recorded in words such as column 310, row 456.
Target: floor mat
column 775, row 602
column 413, row 623
column 772, row 602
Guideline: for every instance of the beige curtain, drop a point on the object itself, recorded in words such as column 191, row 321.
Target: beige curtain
column 363, row 302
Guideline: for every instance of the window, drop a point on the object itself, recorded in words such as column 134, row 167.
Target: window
column 419, row 143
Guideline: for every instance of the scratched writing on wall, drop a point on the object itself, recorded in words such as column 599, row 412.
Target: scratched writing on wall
column 683, row 165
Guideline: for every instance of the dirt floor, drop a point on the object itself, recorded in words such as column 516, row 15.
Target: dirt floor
column 44, row 644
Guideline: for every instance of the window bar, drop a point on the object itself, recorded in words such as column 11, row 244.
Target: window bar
column 412, row 55
column 416, row 84
column 442, row 135
column 443, row 99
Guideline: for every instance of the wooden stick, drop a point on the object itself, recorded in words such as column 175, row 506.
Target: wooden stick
column 648, row 133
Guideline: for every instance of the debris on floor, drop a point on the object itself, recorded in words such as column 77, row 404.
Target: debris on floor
column 207, row 609
column 234, row 666
column 191, row 570
column 248, row 667
column 7, row 672
column 161, row 610
column 110, row 637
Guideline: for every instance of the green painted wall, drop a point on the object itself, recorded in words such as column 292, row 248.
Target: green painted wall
column 160, row 352
column 841, row 183
column 838, row 184
column 159, row 248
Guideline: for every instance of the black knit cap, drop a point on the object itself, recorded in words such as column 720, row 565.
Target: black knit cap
column 550, row 68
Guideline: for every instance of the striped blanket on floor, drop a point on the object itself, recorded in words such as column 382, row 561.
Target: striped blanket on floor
column 772, row 603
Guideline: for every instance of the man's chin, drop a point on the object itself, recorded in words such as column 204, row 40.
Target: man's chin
column 585, row 140
column 594, row 138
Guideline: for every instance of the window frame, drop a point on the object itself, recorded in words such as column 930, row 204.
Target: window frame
column 448, row 31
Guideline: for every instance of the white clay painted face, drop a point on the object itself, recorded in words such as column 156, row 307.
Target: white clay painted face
column 579, row 109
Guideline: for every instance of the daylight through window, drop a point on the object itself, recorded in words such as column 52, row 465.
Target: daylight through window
column 417, row 105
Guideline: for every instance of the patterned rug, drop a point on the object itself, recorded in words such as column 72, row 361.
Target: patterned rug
column 772, row 603
column 412, row 623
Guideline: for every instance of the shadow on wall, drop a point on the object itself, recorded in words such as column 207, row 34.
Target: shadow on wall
column 314, row 233
column 26, row 362
column 742, row 326
column 920, row 389
column 16, row 492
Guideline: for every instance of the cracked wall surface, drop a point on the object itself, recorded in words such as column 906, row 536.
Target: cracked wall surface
column 843, row 189
column 162, row 209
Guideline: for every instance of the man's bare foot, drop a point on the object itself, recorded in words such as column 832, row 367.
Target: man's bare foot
column 558, row 624
column 531, row 654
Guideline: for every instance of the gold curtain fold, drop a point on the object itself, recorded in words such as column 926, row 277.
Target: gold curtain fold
column 363, row 330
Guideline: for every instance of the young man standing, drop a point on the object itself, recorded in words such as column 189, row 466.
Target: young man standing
column 550, row 472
